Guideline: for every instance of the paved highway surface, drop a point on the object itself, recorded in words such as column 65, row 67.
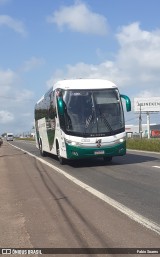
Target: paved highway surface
column 40, row 207
column 133, row 180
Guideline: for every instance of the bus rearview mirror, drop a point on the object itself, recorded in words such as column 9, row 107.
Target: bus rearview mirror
column 128, row 102
column 60, row 104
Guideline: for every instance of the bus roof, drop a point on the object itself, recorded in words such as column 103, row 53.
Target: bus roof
column 84, row 84
column 71, row 84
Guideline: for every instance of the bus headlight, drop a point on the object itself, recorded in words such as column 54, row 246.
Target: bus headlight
column 121, row 140
column 73, row 143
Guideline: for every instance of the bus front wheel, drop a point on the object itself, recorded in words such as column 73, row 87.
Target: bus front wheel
column 42, row 153
column 60, row 158
column 107, row 159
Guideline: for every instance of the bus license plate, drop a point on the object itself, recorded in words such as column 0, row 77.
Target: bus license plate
column 99, row 152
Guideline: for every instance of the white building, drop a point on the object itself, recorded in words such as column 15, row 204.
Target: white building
column 133, row 130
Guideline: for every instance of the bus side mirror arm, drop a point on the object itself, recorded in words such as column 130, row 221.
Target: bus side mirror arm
column 128, row 102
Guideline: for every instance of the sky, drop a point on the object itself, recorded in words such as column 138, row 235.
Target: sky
column 42, row 41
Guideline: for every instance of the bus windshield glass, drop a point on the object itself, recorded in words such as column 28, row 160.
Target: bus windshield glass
column 93, row 112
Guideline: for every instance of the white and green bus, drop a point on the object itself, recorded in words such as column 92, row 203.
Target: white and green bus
column 81, row 118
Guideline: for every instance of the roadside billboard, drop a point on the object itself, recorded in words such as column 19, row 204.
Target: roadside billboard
column 151, row 104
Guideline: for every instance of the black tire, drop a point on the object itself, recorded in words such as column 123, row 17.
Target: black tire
column 60, row 158
column 42, row 153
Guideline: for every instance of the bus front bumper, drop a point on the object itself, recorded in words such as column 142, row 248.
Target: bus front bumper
column 77, row 152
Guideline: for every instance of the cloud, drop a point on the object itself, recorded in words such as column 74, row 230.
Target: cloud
column 139, row 57
column 10, row 88
column 6, row 117
column 135, row 66
column 106, row 70
column 80, row 18
column 26, row 115
column 7, row 79
column 14, row 99
column 33, row 63
column 23, row 95
column 147, row 93
column 139, row 46
column 14, row 24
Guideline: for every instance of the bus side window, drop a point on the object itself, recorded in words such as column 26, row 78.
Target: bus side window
column 54, row 103
column 52, row 106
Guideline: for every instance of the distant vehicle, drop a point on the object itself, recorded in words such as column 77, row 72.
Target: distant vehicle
column 9, row 137
column 1, row 141
column 81, row 118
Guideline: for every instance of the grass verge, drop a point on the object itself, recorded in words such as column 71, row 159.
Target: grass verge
column 152, row 145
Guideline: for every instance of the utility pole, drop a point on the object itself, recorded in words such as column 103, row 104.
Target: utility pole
column 148, row 124
column 140, row 122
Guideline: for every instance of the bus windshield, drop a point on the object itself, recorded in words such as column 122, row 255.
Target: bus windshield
column 93, row 112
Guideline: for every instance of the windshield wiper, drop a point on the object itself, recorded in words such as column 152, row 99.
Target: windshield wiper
column 107, row 124
column 89, row 122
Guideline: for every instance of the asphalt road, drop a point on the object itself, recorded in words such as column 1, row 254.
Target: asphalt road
column 42, row 208
column 132, row 180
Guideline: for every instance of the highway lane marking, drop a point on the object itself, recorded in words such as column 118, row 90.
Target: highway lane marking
column 158, row 167
column 120, row 207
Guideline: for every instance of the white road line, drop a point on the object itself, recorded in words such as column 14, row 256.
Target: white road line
column 120, row 207
column 158, row 167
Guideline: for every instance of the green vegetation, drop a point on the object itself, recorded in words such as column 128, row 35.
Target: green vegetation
column 145, row 144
